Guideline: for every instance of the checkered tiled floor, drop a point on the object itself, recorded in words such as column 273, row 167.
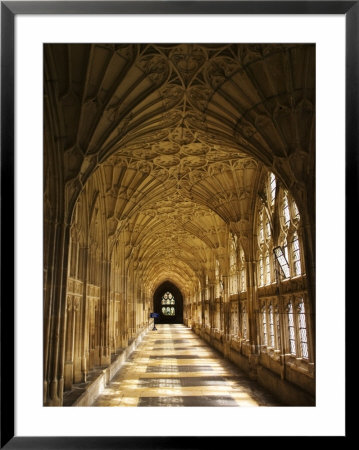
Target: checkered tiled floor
column 174, row 367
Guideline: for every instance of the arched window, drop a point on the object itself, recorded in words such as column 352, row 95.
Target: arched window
column 270, row 325
column 297, row 328
column 264, row 232
column 167, row 301
column 289, row 237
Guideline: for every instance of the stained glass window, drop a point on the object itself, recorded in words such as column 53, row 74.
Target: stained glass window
column 168, row 299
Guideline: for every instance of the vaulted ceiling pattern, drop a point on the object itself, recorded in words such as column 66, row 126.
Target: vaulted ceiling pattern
column 178, row 136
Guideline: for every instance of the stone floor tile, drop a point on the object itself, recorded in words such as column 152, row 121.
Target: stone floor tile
column 173, row 367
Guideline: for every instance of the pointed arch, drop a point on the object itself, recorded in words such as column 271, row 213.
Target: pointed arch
column 172, row 312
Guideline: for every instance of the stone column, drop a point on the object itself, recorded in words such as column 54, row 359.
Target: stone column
column 97, row 331
column 69, row 356
column 212, row 287
column 226, row 308
column 244, row 231
column 113, row 321
column 105, row 354
column 92, row 335
column 253, row 310
column 306, row 234
column 84, row 323
column 203, row 305
column 55, row 316
column 124, row 318
column 77, row 376
column 282, row 309
column 50, row 230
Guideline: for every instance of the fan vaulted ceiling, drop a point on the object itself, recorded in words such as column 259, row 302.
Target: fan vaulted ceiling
column 177, row 137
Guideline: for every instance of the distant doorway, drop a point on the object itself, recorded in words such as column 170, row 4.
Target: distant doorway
column 168, row 303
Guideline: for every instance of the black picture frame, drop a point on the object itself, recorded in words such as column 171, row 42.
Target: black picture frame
column 9, row 9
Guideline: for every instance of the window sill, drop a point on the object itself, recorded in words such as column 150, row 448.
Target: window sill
column 300, row 364
column 271, row 352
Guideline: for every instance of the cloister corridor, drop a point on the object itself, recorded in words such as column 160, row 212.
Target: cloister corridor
column 172, row 366
column 179, row 180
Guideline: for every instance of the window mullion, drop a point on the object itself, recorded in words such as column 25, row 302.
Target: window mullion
column 299, row 340
column 277, row 328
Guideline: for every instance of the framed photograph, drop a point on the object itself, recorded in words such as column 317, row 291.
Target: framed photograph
column 171, row 176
